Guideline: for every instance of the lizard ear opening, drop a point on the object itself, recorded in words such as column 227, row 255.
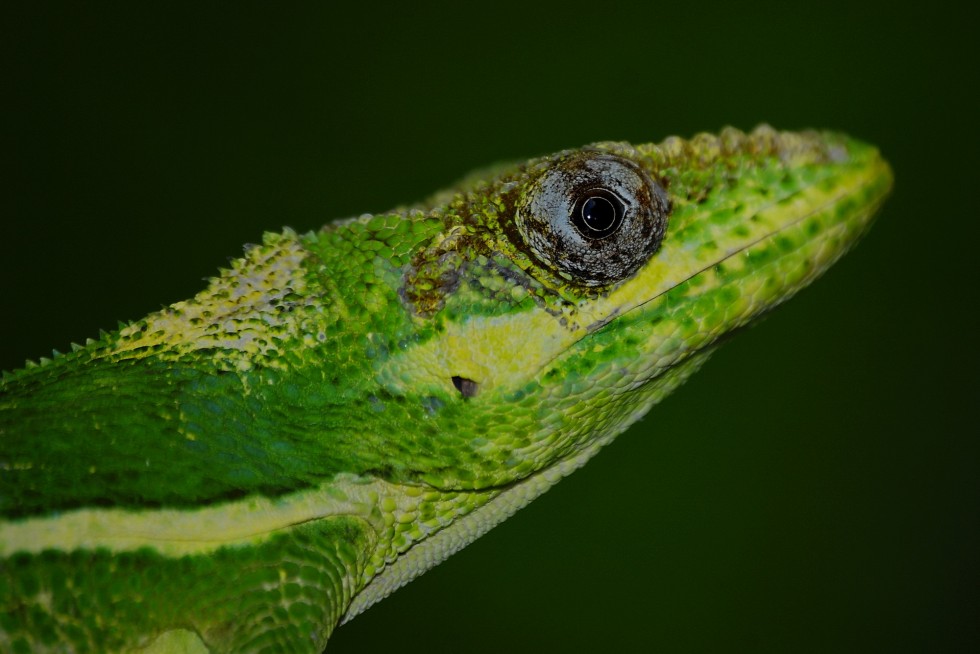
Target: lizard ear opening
column 593, row 217
column 466, row 387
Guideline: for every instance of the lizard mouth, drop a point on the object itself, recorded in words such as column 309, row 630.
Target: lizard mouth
column 709, row 247
column 715, row 275
column 843, row 235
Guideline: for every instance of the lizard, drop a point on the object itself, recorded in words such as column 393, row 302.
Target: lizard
column 340, row 410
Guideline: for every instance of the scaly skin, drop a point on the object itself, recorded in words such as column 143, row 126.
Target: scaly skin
column 341, row 410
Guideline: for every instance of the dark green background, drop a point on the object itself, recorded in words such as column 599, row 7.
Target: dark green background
column 815, row 488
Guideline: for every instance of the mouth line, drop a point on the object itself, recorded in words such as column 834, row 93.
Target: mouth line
column 870, row 209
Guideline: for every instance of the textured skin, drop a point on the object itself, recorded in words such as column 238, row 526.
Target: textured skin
column 341, row 410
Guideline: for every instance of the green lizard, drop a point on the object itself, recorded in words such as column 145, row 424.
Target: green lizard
column 339, row 411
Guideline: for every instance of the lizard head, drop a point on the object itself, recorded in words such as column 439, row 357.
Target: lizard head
column 513, row 323
column 521, row 319
column 566, row 295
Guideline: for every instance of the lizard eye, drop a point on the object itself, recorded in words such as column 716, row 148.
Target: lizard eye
column 593, row 217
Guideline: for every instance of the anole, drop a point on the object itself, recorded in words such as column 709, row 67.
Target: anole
column 340, row 410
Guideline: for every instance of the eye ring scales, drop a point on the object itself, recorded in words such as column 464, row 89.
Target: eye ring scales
column 593, row 217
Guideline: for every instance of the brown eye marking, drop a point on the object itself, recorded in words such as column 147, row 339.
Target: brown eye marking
column 593, row 216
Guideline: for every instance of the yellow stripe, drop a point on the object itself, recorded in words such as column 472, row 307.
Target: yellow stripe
column 483, row 349
column 175, row 532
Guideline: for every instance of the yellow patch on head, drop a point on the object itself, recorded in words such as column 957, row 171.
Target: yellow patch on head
column 489, row 350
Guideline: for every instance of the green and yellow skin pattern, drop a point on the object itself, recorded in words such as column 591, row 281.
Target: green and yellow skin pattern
column 341, row 410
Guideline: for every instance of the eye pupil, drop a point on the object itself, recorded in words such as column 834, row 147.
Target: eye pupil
column 598, row 216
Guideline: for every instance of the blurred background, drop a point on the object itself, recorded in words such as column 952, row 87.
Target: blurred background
column 813, row 489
